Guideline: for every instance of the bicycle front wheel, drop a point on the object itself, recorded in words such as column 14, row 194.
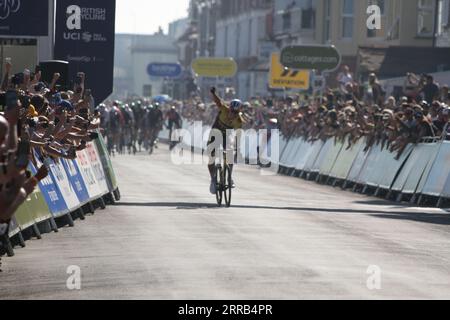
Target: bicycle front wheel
column 220, row 184
column 228, row 186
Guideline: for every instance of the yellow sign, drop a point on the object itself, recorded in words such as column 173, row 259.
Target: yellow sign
column 281, row 77
column 215, row 67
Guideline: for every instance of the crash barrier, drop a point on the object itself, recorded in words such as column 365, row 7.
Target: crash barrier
column 72, row 189
column 421, row 175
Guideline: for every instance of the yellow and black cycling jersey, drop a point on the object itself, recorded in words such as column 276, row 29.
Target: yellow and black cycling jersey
column 224, row 121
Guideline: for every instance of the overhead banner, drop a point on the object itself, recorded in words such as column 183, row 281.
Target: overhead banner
column 24, row 17
column 164, row 70
column 85, row 31
column 215, row 67
column 320, row 58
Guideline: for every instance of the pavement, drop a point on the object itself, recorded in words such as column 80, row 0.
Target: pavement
column 284, row 238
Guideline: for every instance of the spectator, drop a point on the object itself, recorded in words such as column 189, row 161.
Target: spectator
column 430, row 90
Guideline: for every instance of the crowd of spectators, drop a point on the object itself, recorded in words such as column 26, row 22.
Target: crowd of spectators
column 350, row 112
column 39, row 120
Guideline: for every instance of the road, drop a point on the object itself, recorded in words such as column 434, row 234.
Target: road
column 284, row 238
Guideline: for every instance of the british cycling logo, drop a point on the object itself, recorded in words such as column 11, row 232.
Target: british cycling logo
column 7, row 7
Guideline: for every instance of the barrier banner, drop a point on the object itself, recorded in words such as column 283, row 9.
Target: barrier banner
column 370, row 165
column 106, row 162
column 305, row 153
column 33, row 210
column 330, row 158
column 76, row 180
column 359, row 163
column 315, row 151
column 388, row 167
column 97, row 167
column 50, row 191
column 59, row 176
column 88, row 175
column 292, row 158
column 13, row 227
column 438, row 176
column 428, row 153
column 283, row 145
column 24, row 217
column 415, row 167
column 345, row 160
column 320, row 158
column 288, row 150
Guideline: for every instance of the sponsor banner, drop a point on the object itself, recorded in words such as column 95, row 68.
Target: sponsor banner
column 97, row 167
column 76, row 180
column 165, row 70
column 88, row 175
column 34, row 210
column 215, row 67
column 320, row 58
column 85, row 32
column 281, row 77
column 107, row 165
column 59, row 176
column 24, row 17
column 13, row 227
column 50, row 191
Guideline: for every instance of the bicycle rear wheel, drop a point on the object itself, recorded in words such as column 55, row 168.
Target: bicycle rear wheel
column 228, row 187
column 220, row 184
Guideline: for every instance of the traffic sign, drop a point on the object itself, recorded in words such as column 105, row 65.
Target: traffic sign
column 215, row 67
column 281, row 77
column 166, row 70
column 320, row 58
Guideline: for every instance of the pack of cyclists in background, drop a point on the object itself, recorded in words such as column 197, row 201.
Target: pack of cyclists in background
column 135, row 126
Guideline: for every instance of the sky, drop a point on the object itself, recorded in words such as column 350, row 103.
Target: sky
column 145, row 16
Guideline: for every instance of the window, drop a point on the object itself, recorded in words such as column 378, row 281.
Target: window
column 308, row 16
column 425, row 18
column 443, row 16
column 347, row 18
column 378, row 33
column 327, row 30
column 286, row 21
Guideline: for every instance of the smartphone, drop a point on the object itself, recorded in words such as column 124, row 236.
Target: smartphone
column 11, row 99
column 23, row 155
column 42, row 173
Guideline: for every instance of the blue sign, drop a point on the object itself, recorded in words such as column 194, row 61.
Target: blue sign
column 76, row 180
column 52, row 195
column 24, row 17
column 84, row 36
column 166, row 70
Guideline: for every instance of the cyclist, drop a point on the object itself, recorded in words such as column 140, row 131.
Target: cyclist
column 156, row 121
column 230, row 117
column 174, row 120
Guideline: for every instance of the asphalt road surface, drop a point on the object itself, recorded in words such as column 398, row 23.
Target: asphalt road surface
column 284, row 238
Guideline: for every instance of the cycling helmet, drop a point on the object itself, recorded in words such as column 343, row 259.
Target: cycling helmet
column 236, row 105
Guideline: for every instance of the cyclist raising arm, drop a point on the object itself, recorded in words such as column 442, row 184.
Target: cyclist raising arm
column 229, row 118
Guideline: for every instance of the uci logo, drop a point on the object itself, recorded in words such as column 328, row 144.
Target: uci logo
column 8, row 6
column 73, row 17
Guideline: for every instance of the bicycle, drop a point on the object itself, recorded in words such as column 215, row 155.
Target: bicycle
column 224, row 182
